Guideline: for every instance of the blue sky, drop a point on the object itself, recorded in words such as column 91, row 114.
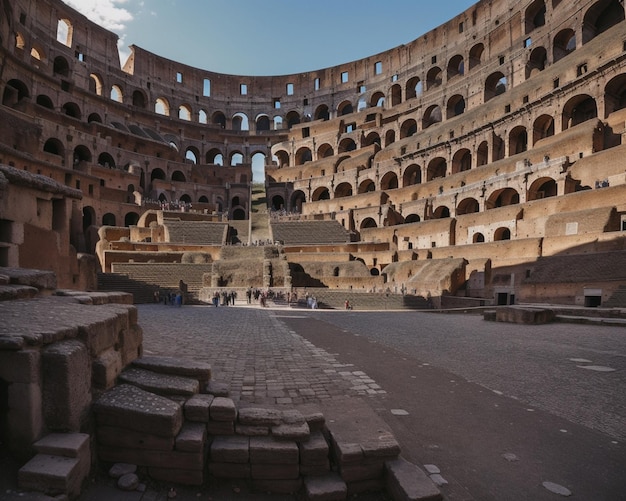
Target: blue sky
column 267, row 37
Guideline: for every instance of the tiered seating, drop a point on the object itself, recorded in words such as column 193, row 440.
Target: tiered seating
column 309, row 232
column 165, row 275
column 617, row 299
column 196, row 232
column 142, row 292
column 329, row 298
column 579, row 268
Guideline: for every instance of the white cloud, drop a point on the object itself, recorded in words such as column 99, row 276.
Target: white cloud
column 107, row 13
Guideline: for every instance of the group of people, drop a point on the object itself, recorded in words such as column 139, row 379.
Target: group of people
column 225, row 298
column 171, row 298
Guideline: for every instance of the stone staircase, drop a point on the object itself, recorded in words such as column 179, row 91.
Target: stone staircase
column 617, row 299
column 335, row 299
column 309, row 232
column 142, row 292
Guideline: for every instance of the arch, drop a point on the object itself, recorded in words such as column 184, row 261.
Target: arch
column 19, row 41
column 214, row 156
column 544, row 187
column 321, row 193
column 396, row 94
column 282, row 157
column 390, row 137
column 38, row 52
column 536, row 61
column 518, row 140
column 345, row 145
column 389, row 181
column 292, row 118
column 432, row 115
column 162, row 198
column 322, row 112
column 461, row 161
column 456, row 106
column 374, row 272
column 367, row 186
column 178, row 176
column 502, row 198
column 414, row 88
column 579, row 109
column 240, row 122
column 408, row 128
column 81, row 154
column 482, row 154
column 478, row 238
column 497, row 147
column 45, row 101
column 65, row 32
column 191, row 154
column 456, row 66
column 495, row 85
column 186, row 199
column 277, row 202
column 14, row 92
column 140, row 100
column 412, row 218
column 89, row 216
column 54, row 146
column 325, row 150
column 441, row 212
column 116, row 94
column 437, row 168
column 105, row 159
column 95, row 84
column 108, row 219
column 157, row 174
column 543, row 127
column 434, row 77
column 184, row 112
column 344, row 108
column 131, row 219
column 236, row 158
column 476, row 55
column 278, row 122
column 303, row 155
column 71, row 110
column 412, row 175
column 535, row 15
column 564, row 43
column 467, row 206
column 361, row 104
column 377, row 100
column 94, row 117
column 615, row 95
column 370, row 139
column 218, row 118
column 368, row 222
column 501, row 233
column 343, row 190
column 601, row 16
column 297, row 199
column 60, row 66
column 162, row 106
column 262, row 123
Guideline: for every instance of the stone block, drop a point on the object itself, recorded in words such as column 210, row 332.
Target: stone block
column 217, row 389
column 356, row 472
column 383, row 445
column 24, row 417
column 129, row 407
column 267, row 450
column 105, row 368
column 329, row 487
column 157, row 459
column 99, row 334
column 52, row 475
column 178, row 367
column 70, row 445
column 20, row 366
column 123, row 437
column 177, row 475
column 519, row 315
column 356, row 488
column 255, row 416
column 216, row 428
column 405, row 481
column 274, row 471
column 197, row 408
column 192, row 437
column 233, row 449
column 161, row 384
column 346, row 453
column 66, row 371
column 298, row 432
column 229, row 470
column 252, row 431
column 315, row 469
column 223, row 409
column 131, row 340
column 314, row 451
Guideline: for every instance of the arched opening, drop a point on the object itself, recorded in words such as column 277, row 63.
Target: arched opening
column 461, row 161
column 412, row 175
column 162, row 107
column 456, row 66
column 303, row 155
column 412, row 218
column 436, row 168
column 89, row 216
column 263, row 123
column 321, row 193
column 518, row 140
column 368, row 222
column 178, row 176
column 343, row 190
column 441, row 212
column 579, row 109
column 537, row 61
column 239, row 214
column 414, row 88
column 408, row 128
column 325, row 150
column 61, row 67
column 108, row 219
column 14, row 92
column 297, row 199
column 106, row 160
column 370, row 139
column 54, row 146
column 476, row 55
column 456, row 106
column 345, row 108
column 139, row 99
column 218, row 118
column 346, row 144
column 396, row 94
column 495, row 85
column 502, row 198
column 564, row 43
column 131, row 219
column 292, row 118
column 615, row 95
column 240, row 122
column 543, row 127
column 278, row 202
column 377, row 100
column 544, row 187
column 467, row 206
column 478, row 238
column 535, row 15
column 482, row 154
column 45, row 101
column 600, row 17
column 390, row 137
column 81, row 154
column 367, row 186
column 389, row 181
column 434, row 78
column 157, row 174
column 501, row 234
column 432, row 115
column 322, row 113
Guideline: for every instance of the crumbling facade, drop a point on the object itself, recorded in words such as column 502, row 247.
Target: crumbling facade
column 495, row 138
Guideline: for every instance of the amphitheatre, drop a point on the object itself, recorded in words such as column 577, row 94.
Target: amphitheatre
column 481, row 166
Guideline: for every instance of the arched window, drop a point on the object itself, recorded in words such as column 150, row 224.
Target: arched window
column 162, row 107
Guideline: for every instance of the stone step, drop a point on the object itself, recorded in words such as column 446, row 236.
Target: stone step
column 329, row 487
column 406, row 482
column 169, row 365
column 161, row 384
column 52, row 475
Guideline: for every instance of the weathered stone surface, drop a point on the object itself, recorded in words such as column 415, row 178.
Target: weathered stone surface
column 127, row 406
column 192, row 437
column 20, row 366
column 120, row 469
column 328, row 487
column 24, row 417
column 234, row 449
column 274, row 471
column 267, row 450
column 161, row 384
column 404, row 480
column 292, row 416
column 357, row 472
column 217, row 388
column 123, row 437
column 131, row 343
column 71, row 445
column 229, row 470
column 145, row 457
column 315, row 469
column 255, row 416
column 51, row 474
column 10, row 342
column 525, row 315
column 66, row 385
column 197, row 408
column 106, row 367
column 252, row 431
column 128, row 482
column 168, row 365
column 223, row 409
column 298, row 432
column 216, row 428
column 315, row 450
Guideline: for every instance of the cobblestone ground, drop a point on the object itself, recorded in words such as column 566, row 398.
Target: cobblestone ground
column 251, row 350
